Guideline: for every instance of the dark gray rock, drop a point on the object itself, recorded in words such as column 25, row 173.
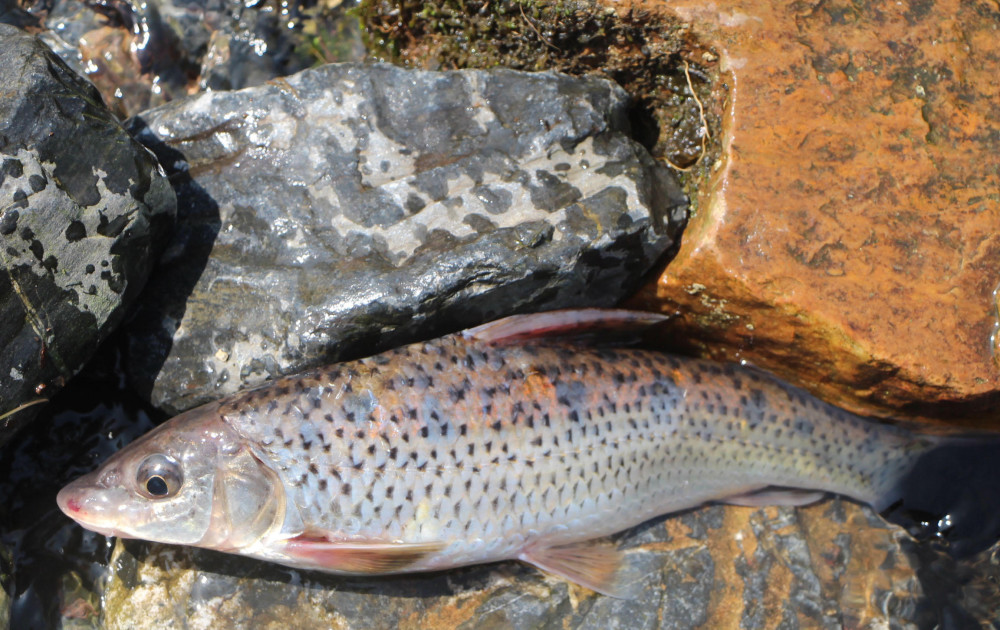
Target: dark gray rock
column 351, row 208
column 81, row 207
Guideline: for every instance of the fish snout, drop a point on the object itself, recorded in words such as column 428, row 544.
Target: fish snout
column 91, row 510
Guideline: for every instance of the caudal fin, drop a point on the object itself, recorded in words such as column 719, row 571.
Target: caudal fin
column 948, row 492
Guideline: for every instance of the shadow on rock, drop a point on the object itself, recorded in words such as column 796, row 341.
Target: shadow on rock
column 177, row 272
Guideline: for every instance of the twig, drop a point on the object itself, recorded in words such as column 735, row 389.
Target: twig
column 23, row 407
column 537, row 32
column 704, row 124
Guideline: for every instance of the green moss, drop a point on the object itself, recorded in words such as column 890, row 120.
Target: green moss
column 643, row 52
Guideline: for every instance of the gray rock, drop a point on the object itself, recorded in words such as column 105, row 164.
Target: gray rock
column 82, row 206
column 351, row 208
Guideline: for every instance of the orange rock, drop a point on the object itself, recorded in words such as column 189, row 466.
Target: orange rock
column 849, row 235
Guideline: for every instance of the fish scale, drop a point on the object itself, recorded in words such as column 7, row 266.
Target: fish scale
column 543, row 442
column 505, row 441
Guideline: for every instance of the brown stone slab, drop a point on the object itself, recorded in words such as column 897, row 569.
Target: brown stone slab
column 849, row 235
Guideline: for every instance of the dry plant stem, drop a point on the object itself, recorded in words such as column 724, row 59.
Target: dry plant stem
column 23, row 407
column 532, row 26
column 704, row 124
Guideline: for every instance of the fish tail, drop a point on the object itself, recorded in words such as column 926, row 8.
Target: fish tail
column 927, row 461
column 895, row 479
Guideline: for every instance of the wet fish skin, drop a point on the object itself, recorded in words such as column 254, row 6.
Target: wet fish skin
column 466, row 449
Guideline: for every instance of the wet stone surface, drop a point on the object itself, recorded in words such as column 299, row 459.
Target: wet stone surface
column 351, row 208
column 143, row 54
column 846, row 238
column 83, row 210
column 831, row 565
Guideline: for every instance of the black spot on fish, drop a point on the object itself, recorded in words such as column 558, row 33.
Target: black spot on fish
column 322, row 485
column 345, row 488
column 424, row 431
column 339, row 432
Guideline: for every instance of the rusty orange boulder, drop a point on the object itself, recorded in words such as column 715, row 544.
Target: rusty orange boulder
column 848, row 237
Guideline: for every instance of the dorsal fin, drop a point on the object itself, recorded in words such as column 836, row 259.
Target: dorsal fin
column 564, row 323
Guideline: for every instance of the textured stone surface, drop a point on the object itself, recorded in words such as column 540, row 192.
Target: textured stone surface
column 848, row 239
column 351, row 208
column 82, row 206
column 143, row 54
column 827, row 566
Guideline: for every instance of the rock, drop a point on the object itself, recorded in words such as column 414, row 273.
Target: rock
column 848, row 238
column 82, row 208
column 352, row 208
column 144, row 54
column 721, row 567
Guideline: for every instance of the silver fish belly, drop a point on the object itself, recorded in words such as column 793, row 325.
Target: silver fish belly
column 469, row 449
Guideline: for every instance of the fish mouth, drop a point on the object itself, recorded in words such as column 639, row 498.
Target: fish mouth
column 73, row 501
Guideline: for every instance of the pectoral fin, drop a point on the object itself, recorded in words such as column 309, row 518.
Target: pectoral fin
column 357, row 557
column 595, row 564
column 775, row 496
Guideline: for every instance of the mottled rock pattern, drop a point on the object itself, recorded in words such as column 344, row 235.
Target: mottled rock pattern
column 831, row 565
column 848, row 238
column 351, row 208
column 82, row 208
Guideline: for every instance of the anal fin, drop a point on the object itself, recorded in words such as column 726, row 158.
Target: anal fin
column 357, row 557
column 775, row 496
column 595, row 564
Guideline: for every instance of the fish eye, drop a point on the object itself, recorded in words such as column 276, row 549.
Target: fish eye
column 159, row 477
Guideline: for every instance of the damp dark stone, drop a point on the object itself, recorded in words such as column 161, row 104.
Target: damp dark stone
column 53, row 123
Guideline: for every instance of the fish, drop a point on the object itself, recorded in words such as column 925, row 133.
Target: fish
column 529, row 438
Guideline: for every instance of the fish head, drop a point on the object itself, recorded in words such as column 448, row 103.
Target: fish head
column 191, row 481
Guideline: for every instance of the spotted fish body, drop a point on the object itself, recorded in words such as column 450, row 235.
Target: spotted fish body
column 469, row 449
